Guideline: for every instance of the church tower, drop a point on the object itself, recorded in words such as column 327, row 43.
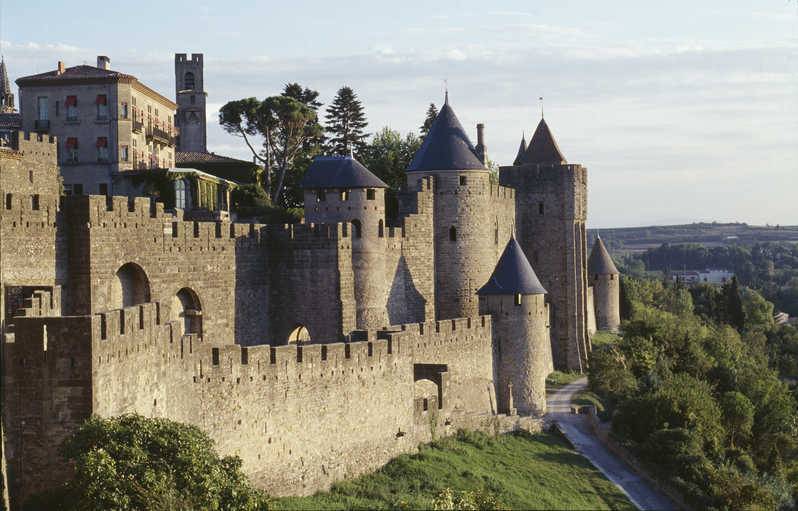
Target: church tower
column 551, row 211
column 6, row 96
column 190, row 97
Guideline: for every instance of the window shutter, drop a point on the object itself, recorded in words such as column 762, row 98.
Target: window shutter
column 102, row 142
column 72, row 143
column 72, row 101
column 102, row 99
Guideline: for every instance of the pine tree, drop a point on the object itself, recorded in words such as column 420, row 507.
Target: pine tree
column 734, row 305
column 432, row 113
column 345, row 123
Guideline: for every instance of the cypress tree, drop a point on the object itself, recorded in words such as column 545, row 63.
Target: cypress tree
column 734, row 305
column 345, row 123
column 432, row 113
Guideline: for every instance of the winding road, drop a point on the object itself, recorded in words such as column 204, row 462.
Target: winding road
column 578, row 432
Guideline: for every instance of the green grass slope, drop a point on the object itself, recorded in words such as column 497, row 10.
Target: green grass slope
column 523, row 471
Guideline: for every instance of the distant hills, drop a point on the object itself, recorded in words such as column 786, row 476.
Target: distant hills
column 638, row 239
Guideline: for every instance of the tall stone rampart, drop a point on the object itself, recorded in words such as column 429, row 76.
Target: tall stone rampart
column 551, row 209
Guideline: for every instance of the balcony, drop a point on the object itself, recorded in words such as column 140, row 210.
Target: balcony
column 138, row 126
column 161, row 136
column 41, row 125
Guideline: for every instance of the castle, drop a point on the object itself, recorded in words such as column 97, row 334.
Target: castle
column 314, row 351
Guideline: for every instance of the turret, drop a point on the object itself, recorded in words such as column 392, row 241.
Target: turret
column 340, row 189
column 605, row 279
column 467, row 219
column 521, row 150
column 6, row 96
column 521, row 341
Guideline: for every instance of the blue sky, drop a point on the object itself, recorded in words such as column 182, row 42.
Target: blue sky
column 682, row 111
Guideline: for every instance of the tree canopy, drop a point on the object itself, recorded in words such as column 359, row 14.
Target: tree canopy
column 133, row 463
column 346, row 122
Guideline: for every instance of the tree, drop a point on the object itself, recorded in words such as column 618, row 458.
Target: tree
column 313, row 146
column 302, row 94
column 432, row 113
column 285, row 124
column 738, row 414
column 734, row 304
column 345, row 123
column 133, row 462
column 388, row 154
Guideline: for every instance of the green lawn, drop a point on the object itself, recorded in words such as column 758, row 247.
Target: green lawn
column 523, row 471
column 558, row 379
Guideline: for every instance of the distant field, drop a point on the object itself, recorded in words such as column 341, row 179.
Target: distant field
column 638, row 239
column 524, row 471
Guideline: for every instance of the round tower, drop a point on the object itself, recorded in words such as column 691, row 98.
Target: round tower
column 339, row 189
column 521, row 337
column 466, row 221
column 605, row 279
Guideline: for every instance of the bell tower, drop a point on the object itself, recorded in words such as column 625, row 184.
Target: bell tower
column 190, row 97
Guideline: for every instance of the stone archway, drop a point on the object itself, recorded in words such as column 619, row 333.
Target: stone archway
column 187, row 311
column 299, row 335
column 129, row 287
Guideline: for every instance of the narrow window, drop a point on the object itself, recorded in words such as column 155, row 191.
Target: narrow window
column 452, row 233
column 72, row 150
column 102, row 149
column 540, row 208
column 356, row 229
column 370, row 194
column 34, row 202
column 102, row 107
column 321, row 196
column 381, row 229
column 124, row 153
column 518, row 298
column 41, row 103
column 496, row 234
column 71, row 105
column 9, row 200
column 463, row 180
column 344, row 195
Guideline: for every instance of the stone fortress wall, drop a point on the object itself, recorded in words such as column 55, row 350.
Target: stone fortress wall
column 120, row 306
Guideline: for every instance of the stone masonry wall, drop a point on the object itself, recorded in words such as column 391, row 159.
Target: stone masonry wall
column 551, row 208
column 301, row 417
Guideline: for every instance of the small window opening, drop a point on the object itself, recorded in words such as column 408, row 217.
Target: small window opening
column 518, row 298
column 321, row 196
column 463, row 180
column 371, row 194
column 452, row 233
column 344, row 195
column 356, row 229
column 540, row 208
column 381, row 229
column 9, row 200
column 35, row 202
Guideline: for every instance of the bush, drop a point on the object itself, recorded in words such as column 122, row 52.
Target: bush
column 133, row 463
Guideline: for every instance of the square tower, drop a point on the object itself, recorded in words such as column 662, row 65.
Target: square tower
column 190, row 98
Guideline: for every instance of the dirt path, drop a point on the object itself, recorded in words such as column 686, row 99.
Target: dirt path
column 578, row 432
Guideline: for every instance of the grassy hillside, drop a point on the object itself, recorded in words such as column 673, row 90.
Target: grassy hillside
column 523, row 471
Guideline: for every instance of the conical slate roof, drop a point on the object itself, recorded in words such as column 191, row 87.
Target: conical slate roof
column 543, row 148
column 339, row 172
column 521, row 150
column 446, row 146
column 513, row 274
column 600, row 262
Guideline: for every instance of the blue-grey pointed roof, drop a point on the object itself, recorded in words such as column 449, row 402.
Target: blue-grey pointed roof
column 446, row 146
column 339, row 172
column 519, row 157
column 543, row 148
column 600, row 262
column 513, row 274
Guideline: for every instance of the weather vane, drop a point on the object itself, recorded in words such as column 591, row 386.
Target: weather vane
column 540, row 100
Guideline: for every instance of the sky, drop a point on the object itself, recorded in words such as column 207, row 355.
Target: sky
column 681, row 111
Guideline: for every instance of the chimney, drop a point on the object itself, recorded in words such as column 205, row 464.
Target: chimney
column 103, row 62
column 482, row 151
column 60, row 67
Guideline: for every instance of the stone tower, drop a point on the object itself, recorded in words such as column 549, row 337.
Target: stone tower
column 551, row 208
column 605, row 279
column 6, row 96
column 521, row 341
column 464, row 215
column 340, row 189
column 190, row 97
